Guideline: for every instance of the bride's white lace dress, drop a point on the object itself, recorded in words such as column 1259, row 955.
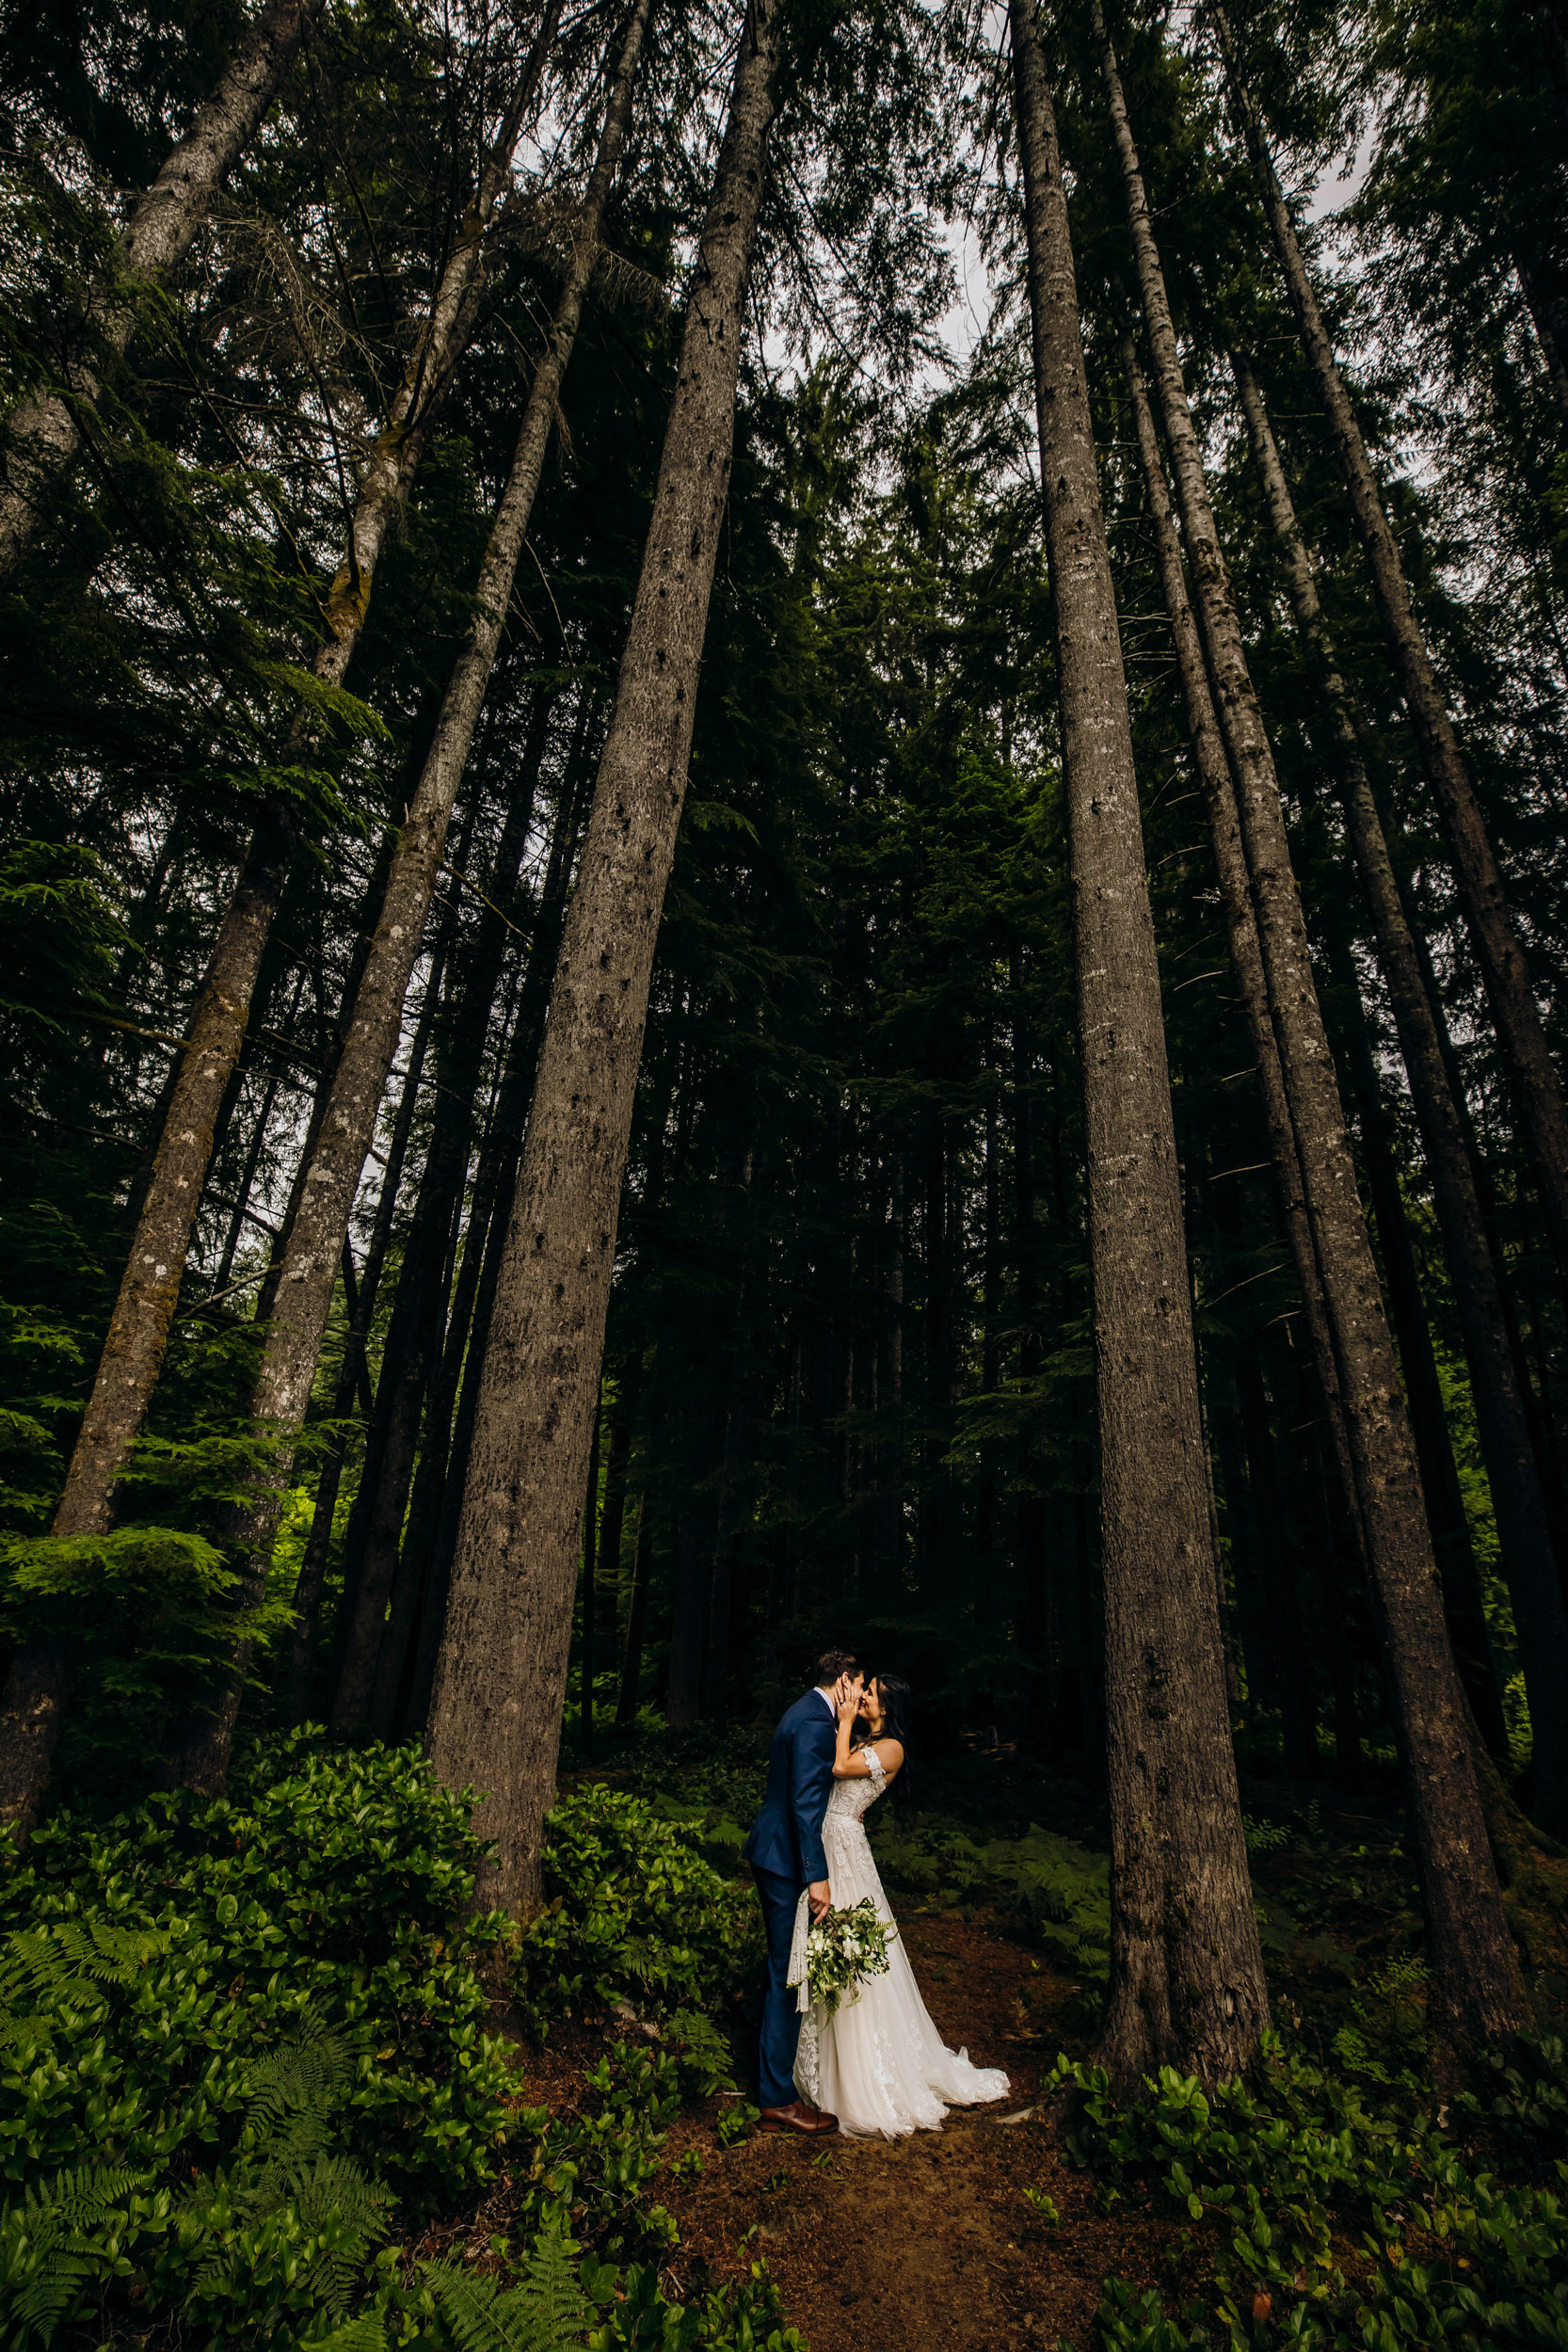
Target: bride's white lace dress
column 878, row 2062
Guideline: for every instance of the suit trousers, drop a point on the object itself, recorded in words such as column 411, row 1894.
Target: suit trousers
column 780, row 2028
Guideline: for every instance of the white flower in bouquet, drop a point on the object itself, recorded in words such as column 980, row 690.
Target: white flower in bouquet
column 842, row 1949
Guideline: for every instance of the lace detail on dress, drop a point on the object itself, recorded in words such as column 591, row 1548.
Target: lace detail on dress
column 877, row 1769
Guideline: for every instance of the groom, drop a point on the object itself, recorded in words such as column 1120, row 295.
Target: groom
column 785, row 1851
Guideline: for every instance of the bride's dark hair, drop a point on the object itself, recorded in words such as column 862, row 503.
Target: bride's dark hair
column 897, row 1723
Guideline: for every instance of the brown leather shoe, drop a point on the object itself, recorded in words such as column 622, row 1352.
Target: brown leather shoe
column 799, row 2117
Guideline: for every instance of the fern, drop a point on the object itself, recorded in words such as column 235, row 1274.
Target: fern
column 304, row 2078
column 65, row 1966
column 331, row 2199
column 544, row 2311
column 55, row 2242
column 364, row 2333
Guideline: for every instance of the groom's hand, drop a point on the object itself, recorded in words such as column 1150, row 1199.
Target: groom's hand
column 820, row 1897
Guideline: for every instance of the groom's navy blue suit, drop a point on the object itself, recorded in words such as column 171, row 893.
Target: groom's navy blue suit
column 785, row 1851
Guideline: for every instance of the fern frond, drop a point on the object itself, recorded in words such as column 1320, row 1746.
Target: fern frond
column 365, row 2333
column 550, row 2292
column 66, row 1964
column 52, row 2245
column 545, row 2310
column 304, row 2076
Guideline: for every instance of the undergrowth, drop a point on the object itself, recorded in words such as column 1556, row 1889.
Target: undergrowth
column 1327, row 2208
column 243, row 2066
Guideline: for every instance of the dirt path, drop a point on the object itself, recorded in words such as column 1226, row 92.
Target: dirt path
column 930, row 2241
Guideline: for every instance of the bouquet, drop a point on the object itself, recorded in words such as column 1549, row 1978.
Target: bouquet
column 842, row 1949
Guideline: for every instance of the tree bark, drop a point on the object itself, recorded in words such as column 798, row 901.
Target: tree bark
column 494, row 1185
column 337, row 1164
column 1276, row 1571
column 42, row 432
column 1524, row 1529
column 636, row 1619
column 1187, row 1974
column 386, row 1575
column 590, row 1556
column 496, row 1710
column 1434, row 1453
column 1499, row 953
column 613, row 1524
column 1247, row 954
column 354, row 1373
column 1477, row 1987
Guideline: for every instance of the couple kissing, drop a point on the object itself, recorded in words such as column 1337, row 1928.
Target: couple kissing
column 875, row 2063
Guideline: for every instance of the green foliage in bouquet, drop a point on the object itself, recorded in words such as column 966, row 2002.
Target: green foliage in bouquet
column 842, row 1949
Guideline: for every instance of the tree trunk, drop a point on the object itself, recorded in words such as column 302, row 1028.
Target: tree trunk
column 1247, row 954
column 1499, row 953
column 1477, row 1987
column 688, row 1612
column 496, row 1179
column 1524, row 1529
column 388, row 1573
column 412, row 1350
column 43, row 433
column 590, row 1562
column 612, row 1525
column 1187, row 1974
column 496, row 1710
column 337, row 1164
column 1434, row 1453
column 636, row 1619
column 354, row 1373
column 889, row 1389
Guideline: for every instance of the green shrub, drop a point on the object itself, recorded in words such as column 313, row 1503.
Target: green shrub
column 1284, row 2167
column 233, row 2037
column 1057, row 1891
column 330, row 1889
column 634, row 1912
column 242, row 2050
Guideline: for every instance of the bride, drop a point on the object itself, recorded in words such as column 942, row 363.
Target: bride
column 878, row 2062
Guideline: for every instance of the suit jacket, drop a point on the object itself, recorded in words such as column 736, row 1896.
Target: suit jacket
column 786, row 1836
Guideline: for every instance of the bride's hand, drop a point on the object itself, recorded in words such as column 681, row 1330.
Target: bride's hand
column 851, row 1691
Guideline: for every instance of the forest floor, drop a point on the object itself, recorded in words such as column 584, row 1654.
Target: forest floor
column 930, row 2242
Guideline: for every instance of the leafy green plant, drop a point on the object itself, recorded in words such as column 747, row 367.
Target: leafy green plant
column 267, row 2015
column 1523, row 2097
column 264, row 2016
column 1285, row 2167
column 735, row 2121
column 632, row 1910
column 706, row 2060
column 1056, row 1891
